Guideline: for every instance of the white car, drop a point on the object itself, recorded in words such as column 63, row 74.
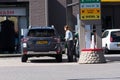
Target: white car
column 111, row 40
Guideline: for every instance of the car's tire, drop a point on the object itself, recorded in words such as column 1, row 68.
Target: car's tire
column 105, row 50
column 24, row 58
column 59, row 57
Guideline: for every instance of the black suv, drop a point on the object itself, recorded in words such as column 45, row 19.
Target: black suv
column 41, row 41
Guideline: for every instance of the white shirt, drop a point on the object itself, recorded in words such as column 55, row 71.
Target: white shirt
column 68, row 35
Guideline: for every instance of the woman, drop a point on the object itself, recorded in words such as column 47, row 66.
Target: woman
column 69, row 42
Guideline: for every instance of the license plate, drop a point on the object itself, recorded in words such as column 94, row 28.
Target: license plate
column 42, row 42
column 118, row 45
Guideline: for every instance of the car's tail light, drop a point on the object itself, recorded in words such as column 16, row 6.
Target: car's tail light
column 25, row 51
column 111, row 39
column 24, row 40
column 57, row 40
column 58, row 51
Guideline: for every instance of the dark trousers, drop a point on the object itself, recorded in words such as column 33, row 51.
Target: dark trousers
column 70, row 50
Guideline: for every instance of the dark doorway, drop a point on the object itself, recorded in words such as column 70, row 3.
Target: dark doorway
column 107, row 22
column 8, row 34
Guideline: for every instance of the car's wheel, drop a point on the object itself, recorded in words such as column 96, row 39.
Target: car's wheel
column 106, row 51
column 24, row 58
column 59, row 57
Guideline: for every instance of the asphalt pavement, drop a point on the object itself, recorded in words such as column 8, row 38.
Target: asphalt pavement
column 109, row 57
column 48, row 69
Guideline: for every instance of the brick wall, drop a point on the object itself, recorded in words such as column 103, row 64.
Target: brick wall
column 37, row 16
column 57, row 14
column 37, row 12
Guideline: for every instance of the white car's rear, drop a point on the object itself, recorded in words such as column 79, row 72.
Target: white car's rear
column 111, row 40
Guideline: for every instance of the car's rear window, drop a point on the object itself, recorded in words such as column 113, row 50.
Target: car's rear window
column 116, row 36
column 41, row 33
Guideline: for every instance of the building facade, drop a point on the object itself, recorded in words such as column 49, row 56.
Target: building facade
column 47, row 13
column 25, row 13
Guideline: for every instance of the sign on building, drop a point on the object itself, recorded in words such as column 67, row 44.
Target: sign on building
column 90, row 10
column 12, row 12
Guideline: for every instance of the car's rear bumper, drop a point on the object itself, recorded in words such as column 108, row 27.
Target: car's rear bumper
column 50, row 52
column 114, row 46
column 32, row 53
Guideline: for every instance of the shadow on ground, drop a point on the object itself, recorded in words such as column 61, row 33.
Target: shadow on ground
column 112, row 57
column 46, row 61
column 108, row 57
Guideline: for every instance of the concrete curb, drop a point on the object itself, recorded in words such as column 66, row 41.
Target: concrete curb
column 10, row 55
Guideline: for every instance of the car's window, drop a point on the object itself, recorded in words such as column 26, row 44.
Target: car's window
column 41, row 32
column 116, row 36
column 105, row 34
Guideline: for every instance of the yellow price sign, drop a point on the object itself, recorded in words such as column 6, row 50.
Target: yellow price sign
column 90, row 17
column 90, row 11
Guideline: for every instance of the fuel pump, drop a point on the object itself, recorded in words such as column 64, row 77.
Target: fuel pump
column 93, row 37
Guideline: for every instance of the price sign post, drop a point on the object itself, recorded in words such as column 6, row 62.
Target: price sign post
column 90, row 15
column 90, row 10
